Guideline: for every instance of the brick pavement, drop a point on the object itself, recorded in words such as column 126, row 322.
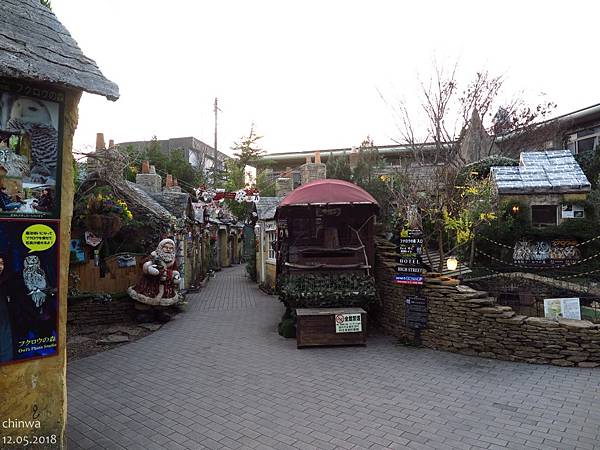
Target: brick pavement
column 219, row 376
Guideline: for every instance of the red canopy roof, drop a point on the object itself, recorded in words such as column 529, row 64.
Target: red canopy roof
column 328, row 191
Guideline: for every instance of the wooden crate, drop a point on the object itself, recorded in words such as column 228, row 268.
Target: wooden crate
column 317, row 327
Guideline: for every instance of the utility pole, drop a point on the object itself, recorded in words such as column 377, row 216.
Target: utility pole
column 216, row 155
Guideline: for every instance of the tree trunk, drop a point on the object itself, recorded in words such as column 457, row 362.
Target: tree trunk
column 441, row 249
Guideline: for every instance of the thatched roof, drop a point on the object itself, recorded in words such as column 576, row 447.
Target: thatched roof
column 35, row 46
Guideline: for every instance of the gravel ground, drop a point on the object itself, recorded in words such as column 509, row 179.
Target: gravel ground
column 84, row 341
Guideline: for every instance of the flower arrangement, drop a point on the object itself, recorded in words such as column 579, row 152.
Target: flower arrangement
column 107, row 204
column 105, row 215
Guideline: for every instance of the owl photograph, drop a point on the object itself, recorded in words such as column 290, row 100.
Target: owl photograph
column 28, row 294
column 29, row 150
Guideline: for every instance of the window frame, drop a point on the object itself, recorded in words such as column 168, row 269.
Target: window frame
column 545, row 224
column 271, row 239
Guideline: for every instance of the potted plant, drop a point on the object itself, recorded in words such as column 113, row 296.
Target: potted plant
column 105, row 215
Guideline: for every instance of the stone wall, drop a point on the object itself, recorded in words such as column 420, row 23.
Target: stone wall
column 468, row 321
column 93, row 311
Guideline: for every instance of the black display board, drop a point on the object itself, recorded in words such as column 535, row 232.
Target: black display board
column 415, row 312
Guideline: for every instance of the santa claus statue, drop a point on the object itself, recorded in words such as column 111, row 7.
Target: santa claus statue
column 160, row 280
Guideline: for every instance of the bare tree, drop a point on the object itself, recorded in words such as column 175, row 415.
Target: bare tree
column 449, row 129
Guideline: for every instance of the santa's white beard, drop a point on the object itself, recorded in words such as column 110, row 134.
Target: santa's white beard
column 166, row 257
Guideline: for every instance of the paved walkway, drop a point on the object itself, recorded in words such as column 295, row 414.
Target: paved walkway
column 219, row 376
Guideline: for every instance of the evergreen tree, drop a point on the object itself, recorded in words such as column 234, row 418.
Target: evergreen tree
column 338, row 167
column 247, row 150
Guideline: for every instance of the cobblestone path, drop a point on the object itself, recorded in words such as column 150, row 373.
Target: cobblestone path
column 219, row 376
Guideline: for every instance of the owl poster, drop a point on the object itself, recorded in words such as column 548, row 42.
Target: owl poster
column 29, row 277
column 30, row 150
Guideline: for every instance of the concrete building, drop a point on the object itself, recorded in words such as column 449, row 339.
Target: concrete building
column 196, row 152
column 578, row 131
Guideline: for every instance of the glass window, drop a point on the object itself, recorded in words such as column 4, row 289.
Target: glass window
column 585, row 145
column 271, row 236
column 543, row 215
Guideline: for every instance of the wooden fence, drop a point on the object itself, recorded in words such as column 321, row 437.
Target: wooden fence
column 115, row 280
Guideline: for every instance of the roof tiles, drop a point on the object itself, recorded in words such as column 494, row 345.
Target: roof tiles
column 548, row 171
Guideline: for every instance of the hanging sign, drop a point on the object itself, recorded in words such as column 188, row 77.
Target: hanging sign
column 92, row 239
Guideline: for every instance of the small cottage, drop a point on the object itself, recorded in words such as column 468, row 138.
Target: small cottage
column 549, row 184
column 109, row 259
column 266, row 236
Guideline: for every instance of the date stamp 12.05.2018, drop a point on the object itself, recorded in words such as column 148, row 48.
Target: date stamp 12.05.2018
column 13, row 436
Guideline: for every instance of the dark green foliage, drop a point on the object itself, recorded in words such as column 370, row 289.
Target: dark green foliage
column 247, row 150
column 590, row 164
column 264, row 185
column 481, row 169
column 251, row 268
column 338, row 167
column 329, row 290
column 47, row 4
column 173, row 163
column 369, row 164
column 287, row 326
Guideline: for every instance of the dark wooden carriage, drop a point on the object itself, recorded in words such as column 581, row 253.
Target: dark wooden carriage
column 325, row 252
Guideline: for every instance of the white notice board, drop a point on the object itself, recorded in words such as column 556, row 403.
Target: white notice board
column 565, row 308
column 348, row 323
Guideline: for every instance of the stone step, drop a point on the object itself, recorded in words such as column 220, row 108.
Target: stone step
column 475, row 302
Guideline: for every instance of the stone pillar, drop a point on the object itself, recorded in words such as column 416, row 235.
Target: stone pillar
column 283, row 186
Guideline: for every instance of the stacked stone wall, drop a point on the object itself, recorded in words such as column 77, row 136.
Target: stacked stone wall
column 91, row 312
column 469, row 321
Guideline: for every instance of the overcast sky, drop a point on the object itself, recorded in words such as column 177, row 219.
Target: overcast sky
column 307, row 73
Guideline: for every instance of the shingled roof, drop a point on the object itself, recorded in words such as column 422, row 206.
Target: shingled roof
column 136, row 197
column 266, row 207
column 545, row 172
column 35, row 46
column 177, row 203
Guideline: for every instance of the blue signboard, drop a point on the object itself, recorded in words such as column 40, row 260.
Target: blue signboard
column 408, row 279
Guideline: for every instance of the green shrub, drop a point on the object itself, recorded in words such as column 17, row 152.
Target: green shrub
column 287, row 328
column 326, row 290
